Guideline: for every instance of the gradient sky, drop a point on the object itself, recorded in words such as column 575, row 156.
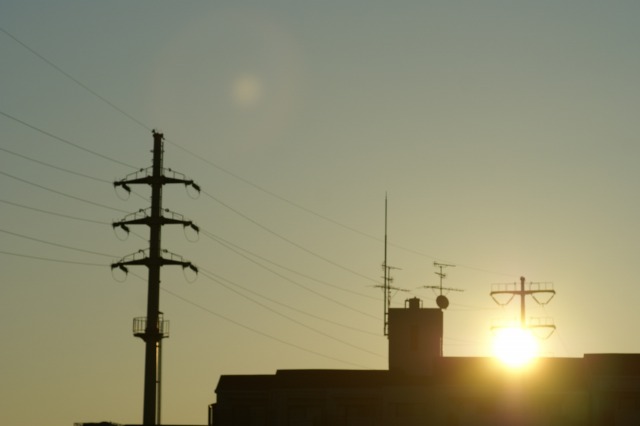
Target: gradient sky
column 505, row 134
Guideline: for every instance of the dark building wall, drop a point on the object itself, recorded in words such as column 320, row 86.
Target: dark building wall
column 594, row 390
column 415, row 338
column 423, row 387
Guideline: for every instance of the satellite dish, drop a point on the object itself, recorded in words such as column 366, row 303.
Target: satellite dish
column 442, row 302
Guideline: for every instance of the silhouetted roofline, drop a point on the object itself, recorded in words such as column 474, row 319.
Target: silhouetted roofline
column 451, row 371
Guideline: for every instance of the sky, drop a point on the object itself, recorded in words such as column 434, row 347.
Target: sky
column 504, row 134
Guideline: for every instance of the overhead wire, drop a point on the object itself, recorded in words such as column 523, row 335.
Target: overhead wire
column 84, row 200
column 50, row 259
column 72, row 78
column 253, row 330
column 261, row 333
column 237, row 249
column 62, row 169
column 54, row 167
column 215, row 278
column 212, row 164
column 324, row 217
column 201, row 158
column 11, row 203
column 58, row 138
column 228, row 172
column 344, row 305
column 556, row 333
column 329, row 261
column 111, row 159
column 26, row 237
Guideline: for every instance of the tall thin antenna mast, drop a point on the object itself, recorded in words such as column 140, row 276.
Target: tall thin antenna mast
column 386, row 285
column 386, row 272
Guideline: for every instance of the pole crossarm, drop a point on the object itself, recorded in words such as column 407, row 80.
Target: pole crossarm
column 525, row 292
column 141, row 217
column 145, row 177
column 176, row 259
column 548, row 326
column 533, row 289
column 506, row 302
column 138, row 258
column 134, row 260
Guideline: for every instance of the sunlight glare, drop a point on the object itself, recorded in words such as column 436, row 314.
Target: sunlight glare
column 516, row 347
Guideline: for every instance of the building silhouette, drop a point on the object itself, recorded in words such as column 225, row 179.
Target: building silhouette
column 422, row 387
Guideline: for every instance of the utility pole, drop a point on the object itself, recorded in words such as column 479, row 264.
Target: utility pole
column 152, row 258
column 532, row 290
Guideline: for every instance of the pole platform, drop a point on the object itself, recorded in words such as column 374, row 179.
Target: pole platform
column 140, row 327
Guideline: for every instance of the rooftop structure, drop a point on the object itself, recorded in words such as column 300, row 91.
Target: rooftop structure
column 422, row 386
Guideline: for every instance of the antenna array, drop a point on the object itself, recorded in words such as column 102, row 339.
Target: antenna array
column 442, row 301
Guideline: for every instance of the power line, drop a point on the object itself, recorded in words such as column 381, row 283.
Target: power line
column 62, row 193
column 91, row 177
column 253, row 330
column 219, row 278
column 321, row 216
column 291, row 307
column 54, row 167
column 314, row 213
column 68, row 171
column 230, row 246
column 272, row 194
column 288, row 240
column 26, row 237
column 344, row 305
column 11, row 203
column 75, row 80
column 209, row 275
column 58, row 138
column 211, row 312
column 50, row 259
column 201, row 158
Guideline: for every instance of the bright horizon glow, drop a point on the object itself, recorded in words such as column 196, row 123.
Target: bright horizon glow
column 510, row 157
column 516, row 347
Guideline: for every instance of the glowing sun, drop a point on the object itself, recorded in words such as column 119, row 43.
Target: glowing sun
column 516, row 347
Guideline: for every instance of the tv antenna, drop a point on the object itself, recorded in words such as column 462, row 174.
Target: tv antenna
column 442, row 301
column 387, row 280
column 389, row 291
column 533, row 289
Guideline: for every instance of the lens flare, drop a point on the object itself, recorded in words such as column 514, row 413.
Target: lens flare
column 246, row 91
